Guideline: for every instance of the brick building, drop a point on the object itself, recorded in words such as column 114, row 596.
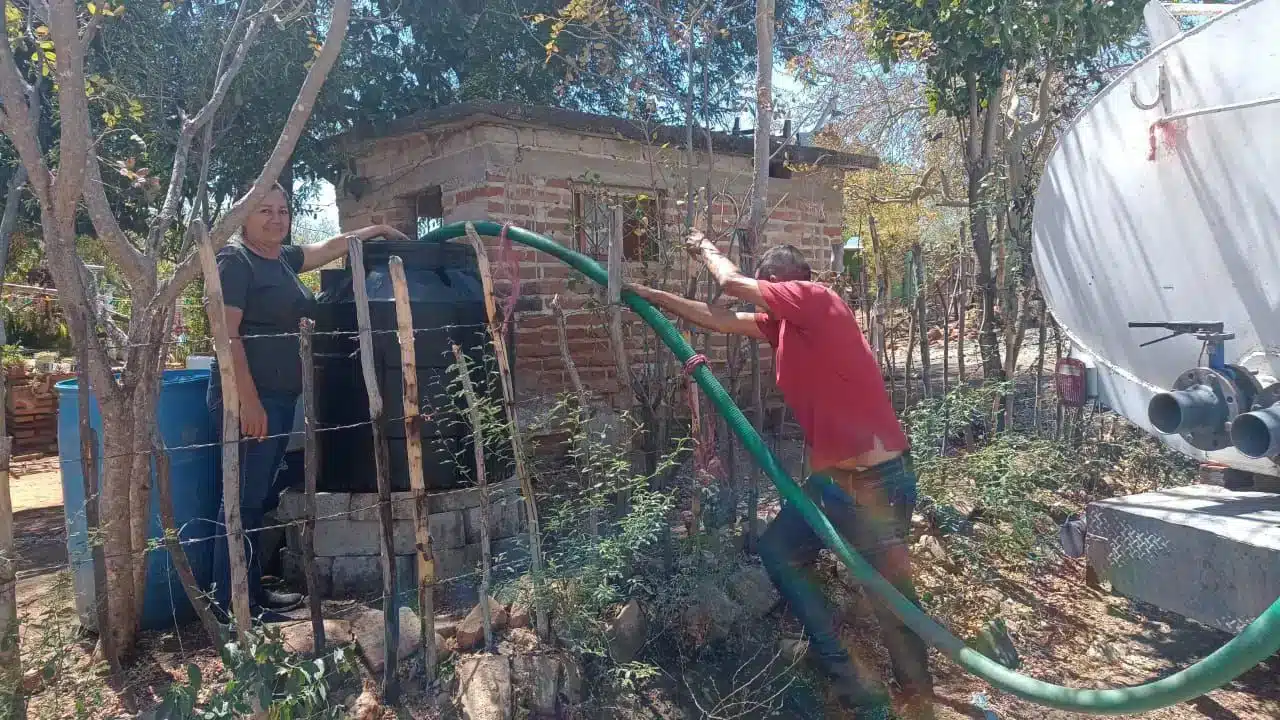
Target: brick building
column 562, row 173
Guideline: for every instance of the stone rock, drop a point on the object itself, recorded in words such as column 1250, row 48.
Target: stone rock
column 518, row 616
column 712, row 617
column 447, row 626
column 518, row 641
column 627, row 633
column 444, row 649
column 546, row 684
column 368, row 632
column 33, row 681
column 471, row 630
column 484, row 687
column 994, row 642
column 367, row 706
column 298, row 638
column 929, row 548
column 751, row 587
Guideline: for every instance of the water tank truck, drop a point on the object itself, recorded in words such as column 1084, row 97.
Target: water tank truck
column 1156, row 243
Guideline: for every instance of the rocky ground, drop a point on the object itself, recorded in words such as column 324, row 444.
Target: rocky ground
column 1064, row 633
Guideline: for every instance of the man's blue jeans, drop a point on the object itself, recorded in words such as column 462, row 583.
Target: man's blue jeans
column 260, row 461
column 876, row 523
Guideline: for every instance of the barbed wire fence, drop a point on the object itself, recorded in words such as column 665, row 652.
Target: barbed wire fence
column 77, row 516
column 82, row 557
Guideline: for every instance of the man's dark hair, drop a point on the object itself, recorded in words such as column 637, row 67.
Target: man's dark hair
column 784, row 262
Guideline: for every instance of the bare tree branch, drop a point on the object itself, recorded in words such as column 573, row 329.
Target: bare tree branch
column 12, row 202
column 17, row 123
column 76, row 138
column 190, row 126
column 135, row 266
column 230, row 222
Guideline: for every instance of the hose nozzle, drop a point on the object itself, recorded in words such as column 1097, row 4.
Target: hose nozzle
column 1257, row 434
column 1180, row 411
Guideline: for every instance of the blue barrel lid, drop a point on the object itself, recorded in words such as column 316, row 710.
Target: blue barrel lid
column 171, row 377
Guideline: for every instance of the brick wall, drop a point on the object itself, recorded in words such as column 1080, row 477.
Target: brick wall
column 527, row 176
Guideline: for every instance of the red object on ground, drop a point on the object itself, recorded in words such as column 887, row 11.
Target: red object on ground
column 827, row 372
column 1070, row 377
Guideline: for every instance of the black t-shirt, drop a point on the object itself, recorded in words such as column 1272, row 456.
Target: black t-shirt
column 273, row 300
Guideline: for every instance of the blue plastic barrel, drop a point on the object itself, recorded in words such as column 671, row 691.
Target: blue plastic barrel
column 183, row 420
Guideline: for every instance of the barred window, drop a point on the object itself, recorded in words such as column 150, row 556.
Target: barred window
column 593, row 211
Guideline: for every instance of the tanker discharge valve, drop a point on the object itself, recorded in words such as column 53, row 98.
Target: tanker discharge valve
column 1205, row 401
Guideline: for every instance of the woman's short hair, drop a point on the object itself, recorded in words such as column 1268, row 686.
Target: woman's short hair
column 784, row 262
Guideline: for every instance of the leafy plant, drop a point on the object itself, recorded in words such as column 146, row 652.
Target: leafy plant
column 262, row 673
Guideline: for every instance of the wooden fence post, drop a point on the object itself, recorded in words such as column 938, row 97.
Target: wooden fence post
column 496, row 336
column 10, row 660
column 417, row 483
column 216, row 310
column 311, row 468
column 477, row 433
column 390, row 608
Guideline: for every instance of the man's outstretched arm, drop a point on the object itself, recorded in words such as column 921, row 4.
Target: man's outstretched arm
column 701, row 314
column 730, row 279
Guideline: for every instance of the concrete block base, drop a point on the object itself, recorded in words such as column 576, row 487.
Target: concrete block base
column 347, row 549
column 1202, row 551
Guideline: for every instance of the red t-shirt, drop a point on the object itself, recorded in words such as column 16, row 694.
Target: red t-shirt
column 827, row 373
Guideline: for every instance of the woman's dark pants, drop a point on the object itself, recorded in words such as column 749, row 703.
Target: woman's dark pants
column 875, row 524
column 260, row 461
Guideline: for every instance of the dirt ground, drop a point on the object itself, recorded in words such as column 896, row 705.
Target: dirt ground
column 1065, row 632
column 39, row 528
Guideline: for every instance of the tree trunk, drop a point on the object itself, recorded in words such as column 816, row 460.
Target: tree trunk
column 988, row 341
column 880, row 329
column 922, row 297
column 982, row 129
column 127, row 405
column 1035, row 414
column 906, row 367
column 962, row 309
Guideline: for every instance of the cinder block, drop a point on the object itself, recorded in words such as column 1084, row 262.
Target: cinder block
column 338, row 538
column 295, row 573
column 360, row 578
column 506, row 518
column 293, row 505
column 1204, row 552
column 448, row 530
column 451, row 565
column 365, row 506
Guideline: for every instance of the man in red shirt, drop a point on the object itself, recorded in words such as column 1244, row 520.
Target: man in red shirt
column 864, row 482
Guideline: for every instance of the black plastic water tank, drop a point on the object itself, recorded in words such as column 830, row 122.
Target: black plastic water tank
column 447, row 302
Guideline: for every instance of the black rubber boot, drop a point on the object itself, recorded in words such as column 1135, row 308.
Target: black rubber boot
column 281, row 601
column 856, row 697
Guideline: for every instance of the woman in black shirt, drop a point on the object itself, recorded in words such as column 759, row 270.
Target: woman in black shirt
column 265, row 301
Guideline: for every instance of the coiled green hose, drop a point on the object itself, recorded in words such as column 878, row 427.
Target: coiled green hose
column 1255, row 643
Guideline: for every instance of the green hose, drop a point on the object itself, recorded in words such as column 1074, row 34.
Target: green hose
column 1255, row 643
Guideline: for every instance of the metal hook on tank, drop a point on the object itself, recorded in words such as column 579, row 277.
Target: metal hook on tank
column 1162, row 90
